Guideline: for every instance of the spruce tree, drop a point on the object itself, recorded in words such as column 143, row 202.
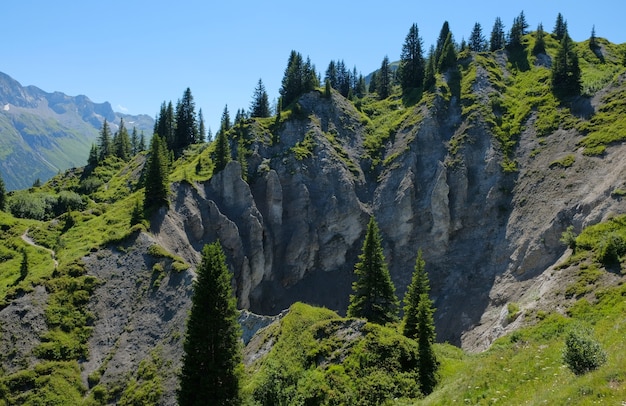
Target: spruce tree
column 260, row 102
column 418, row 286
column 565, row 78
column 497, row 39
column 134, row 142
column 121, row 143
column 427, row 361
column 292, row 86
column 560, row 28
column 448, row 55
column 431, row 69
column 222, row 151
column 412, row 61
column 186, row 127
column 201, row 128
column 384, row 79
column 477, row 42
column 156, row 177
column 92, row 160
column 540, row 42
column 593, row 43
column 212, row 360
column 165, row 126
column 441, row 41
column 142, row 143
column 374, row 295
column 373, row 88
column 105, row 148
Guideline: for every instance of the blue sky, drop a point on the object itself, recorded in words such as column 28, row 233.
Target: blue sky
column 136, row 54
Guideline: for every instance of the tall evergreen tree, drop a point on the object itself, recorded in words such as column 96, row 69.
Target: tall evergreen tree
column 373, row 88
column 412, row 61
column 331, row 75
column 593, row 43
column 3, row 194
column 134, row 141
column 212, row 361
column 560, row 28
column 105, row 148
column 292, row 86
column 384, row 79
column 418, row 286
column 517, row 32
column 222, row 154
column 497, row 39
column 477, row 42
column 448, row 55
column 225, row 123
column 142, row 142
column 566, row 70
column 430, row 70
column 156, row 177
column 260, row 102
column 201, row 128
column 360, row 89
column 374, row 295
column 186, row 127
column 121, row 143
column 540, row 42
column 165, row 124
column 92, row 160
column 427, row 360
column 441, row 42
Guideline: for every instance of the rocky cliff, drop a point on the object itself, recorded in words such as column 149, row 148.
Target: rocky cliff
column 294, row 230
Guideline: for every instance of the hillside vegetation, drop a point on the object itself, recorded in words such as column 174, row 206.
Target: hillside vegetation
column 491, row 124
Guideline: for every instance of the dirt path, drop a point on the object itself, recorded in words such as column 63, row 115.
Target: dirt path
column 32, row 242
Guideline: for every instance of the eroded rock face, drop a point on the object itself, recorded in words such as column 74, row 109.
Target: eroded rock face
column 294, row 230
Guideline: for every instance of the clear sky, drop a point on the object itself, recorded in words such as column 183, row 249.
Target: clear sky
column 136, row 54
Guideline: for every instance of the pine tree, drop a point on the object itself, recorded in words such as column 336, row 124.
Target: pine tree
column 374, row 295
column 212, row 361
column 92, row 160
column 225, row 123
column 142, row 143
column 156, row 178
column 427, row 361
column 121, row 143
column 241, row 158
column 477, row 42
column 448, row 55
column 361, row 89
column 384, row 79
column 331, row 75
column 412, row 61
column 560, row 28
column 292, row 86
column 540, row 42
column 186, row 127
column 566, row 80
column 419, row 285
column 431, row 69
column 593, row 43
column 3, row 194
column 104, row 142
column 373, row 88
column 201, row 128
column 222, row 151
column 260, row 106
column 134, row 142
column 517, row 32
column 497, row 40
column 441, row 42
column 165, row 125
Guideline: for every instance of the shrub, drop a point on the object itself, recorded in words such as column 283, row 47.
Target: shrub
column 582, row 353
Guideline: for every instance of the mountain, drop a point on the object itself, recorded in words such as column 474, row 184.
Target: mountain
column 42, row 134
column 514, row 195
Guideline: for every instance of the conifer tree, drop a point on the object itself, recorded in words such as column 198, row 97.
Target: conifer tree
column 412, row 61
column 225, row 123
column 560, row 28
column 384, row 79
column 241, row 158
column 134, row 142
column 292, row 85
column 430, row 70
column 3, row 194
column 361, row 89
column 212, row 360
column 418, row 286
column 186, row 127
column 142, row 143
column 540, row 42
column 477, row 42
column 566, row 70
column 121, row 143
column 373, row 88
column 260, row 102
column 201, row 128
column 93, row 158
column 104, row 142
column 374, row 295
column 165, row 124
column 222, row 151
column 497, row 39
column 448, row 55
column 427, row 361
column 441, row 42
column 593, row 43
column 517, row 32
column 331, row 75
column 156, row 178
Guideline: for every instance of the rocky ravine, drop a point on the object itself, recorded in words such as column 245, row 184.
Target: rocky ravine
column 294, row 231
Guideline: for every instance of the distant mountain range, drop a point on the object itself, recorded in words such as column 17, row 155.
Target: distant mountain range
column 43, row 133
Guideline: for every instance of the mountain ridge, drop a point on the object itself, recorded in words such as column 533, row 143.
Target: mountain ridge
column 42, row 134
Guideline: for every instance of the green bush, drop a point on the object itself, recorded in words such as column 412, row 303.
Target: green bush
column 582, row 353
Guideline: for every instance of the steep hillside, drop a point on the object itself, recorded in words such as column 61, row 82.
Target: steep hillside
column 42, row 134
column 484, row 173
